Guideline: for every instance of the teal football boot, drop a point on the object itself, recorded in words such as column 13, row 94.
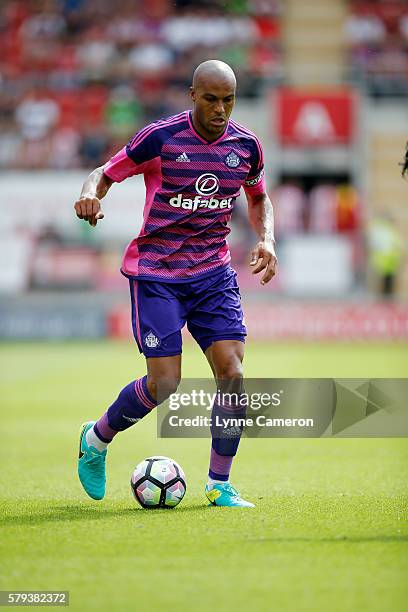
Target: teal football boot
column 225, row 495
column 91, row 465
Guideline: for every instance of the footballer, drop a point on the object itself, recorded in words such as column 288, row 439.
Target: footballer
column 194, row 165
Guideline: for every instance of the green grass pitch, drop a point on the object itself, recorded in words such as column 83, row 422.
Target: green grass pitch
column 329, row 531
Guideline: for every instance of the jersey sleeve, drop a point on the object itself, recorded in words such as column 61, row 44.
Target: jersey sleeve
column 134, row 158
column 255, row 181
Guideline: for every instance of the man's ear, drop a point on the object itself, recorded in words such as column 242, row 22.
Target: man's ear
column 192, row 94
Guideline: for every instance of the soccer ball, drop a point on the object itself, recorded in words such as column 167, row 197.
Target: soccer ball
column 158, row 482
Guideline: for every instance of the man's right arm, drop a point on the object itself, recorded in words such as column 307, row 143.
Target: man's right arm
column 88, row 205
column 133, row 159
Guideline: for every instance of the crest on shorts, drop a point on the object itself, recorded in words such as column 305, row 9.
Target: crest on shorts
column 232, row 160
column 151, row 341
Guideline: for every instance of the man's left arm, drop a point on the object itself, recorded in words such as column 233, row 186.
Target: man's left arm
column 263, row 256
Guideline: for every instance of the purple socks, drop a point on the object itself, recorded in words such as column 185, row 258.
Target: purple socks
column 102, row 429
column 225, row 439
column 220, row 466
column 132, row 404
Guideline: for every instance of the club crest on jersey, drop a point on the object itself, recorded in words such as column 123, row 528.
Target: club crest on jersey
column 151, row 341
column 232, row 160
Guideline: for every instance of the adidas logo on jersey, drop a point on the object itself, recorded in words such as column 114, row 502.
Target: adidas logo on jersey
column 183, row 158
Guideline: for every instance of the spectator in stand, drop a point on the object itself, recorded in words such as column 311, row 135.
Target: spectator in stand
column 403, row 27
column 151, row 58
column 36, row 115
column 11, row 144
column 64, row 148
column 123, row 111
column 364, row 28
column 94, row 146
column 386, row 253
column 389, row 69
column 95, row 54
column 46, row 22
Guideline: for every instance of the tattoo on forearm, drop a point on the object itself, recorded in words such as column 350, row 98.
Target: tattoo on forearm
column 261, row 216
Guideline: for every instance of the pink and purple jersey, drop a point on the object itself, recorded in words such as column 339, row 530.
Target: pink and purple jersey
column 191, row 188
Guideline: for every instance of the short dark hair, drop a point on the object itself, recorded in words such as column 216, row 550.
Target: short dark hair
column 404, row 163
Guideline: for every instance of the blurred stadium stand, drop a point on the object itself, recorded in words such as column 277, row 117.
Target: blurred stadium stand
column 77, row 81
column 325, row 86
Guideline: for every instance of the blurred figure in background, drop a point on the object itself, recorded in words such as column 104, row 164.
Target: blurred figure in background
column 404, row 164
column 386, row 253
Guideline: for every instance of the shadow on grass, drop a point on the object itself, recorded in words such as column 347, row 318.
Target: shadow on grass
column 335, row 539
column 80, row 512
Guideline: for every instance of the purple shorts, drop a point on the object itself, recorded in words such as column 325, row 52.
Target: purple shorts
column 210, row 306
